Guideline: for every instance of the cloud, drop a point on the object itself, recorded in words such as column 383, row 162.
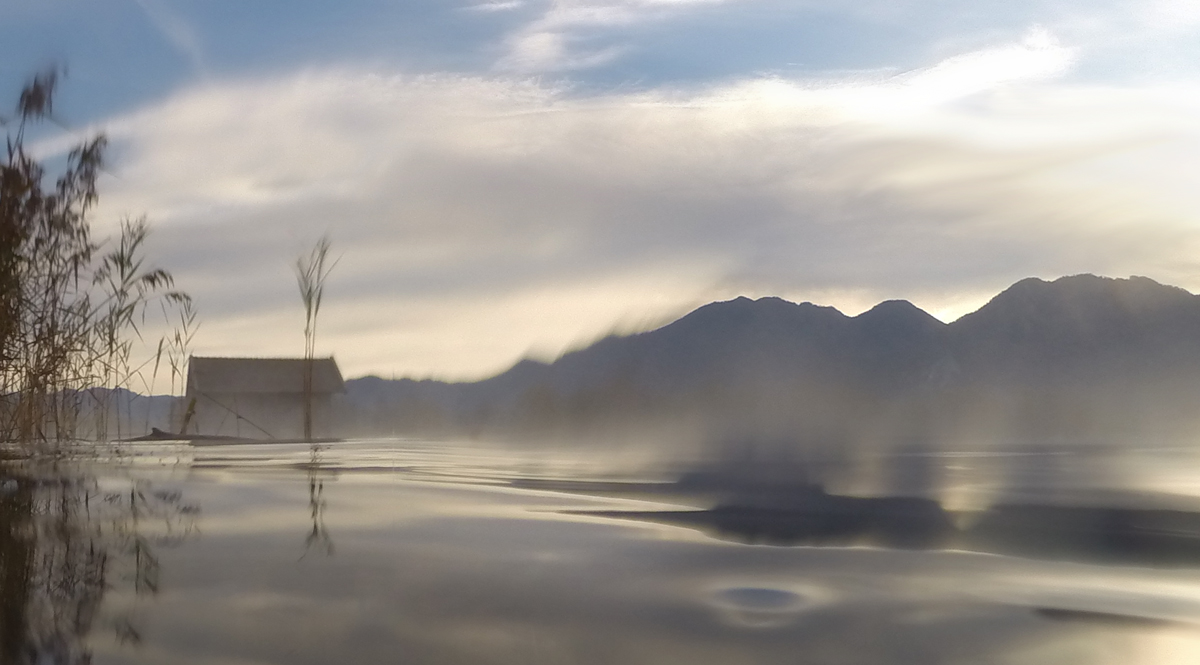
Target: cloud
column 480, row 218
column 489, row 7
column 178, row 33
column 1038, row 56
column 552, row 42
column 614, row 42
column 548, row 51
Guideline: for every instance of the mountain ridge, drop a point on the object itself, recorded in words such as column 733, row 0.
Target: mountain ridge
column 1117, row 353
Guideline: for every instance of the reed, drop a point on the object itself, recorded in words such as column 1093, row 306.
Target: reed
column 312, row 270
column 70, row 306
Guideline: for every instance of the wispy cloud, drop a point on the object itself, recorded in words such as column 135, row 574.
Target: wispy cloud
column 491, row 7
column 1038, row 56
column 549, row 51
column 176, row 31
column 480, row 217
column 556, row 40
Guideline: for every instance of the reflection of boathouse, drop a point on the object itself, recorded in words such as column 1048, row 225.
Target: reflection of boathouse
column 259, row 397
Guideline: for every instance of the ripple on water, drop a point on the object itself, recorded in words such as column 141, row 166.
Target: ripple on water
column 762, row 607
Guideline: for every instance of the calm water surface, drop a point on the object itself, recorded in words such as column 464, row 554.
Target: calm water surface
column 419, row 552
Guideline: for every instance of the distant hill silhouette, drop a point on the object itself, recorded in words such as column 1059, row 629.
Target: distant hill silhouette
column 1081, row 357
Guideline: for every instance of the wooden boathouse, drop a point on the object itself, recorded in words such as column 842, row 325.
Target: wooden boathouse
column 259, row 397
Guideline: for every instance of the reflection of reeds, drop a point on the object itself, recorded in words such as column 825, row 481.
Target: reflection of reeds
column 64, row 544
column 319, row 536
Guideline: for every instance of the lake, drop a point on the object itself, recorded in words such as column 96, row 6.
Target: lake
column 406, row 551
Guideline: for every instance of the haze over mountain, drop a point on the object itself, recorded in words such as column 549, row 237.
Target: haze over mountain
column 1078, row 358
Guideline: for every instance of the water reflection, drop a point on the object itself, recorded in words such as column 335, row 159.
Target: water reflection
column 66, row 540
column 452, row 554
column 1109, row 618
column 758, row 607
column 318, row 537
column 1098, row 534
column 1037, row 509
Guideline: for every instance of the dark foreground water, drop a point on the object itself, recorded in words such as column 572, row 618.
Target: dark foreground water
column 419, row 552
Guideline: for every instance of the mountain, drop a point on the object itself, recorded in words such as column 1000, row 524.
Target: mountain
column 1078, row 357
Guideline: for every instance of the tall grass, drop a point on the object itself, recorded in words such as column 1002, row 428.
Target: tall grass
column 70, row 306
column 311, row 273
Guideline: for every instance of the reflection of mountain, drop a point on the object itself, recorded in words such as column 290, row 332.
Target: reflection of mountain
column 1095, row 534
column 1079, row 357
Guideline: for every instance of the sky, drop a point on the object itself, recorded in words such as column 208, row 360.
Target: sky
column 516, row 178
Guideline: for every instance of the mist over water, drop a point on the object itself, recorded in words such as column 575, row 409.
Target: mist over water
column 759, row 481
column 487, row 552
column 756, row 481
